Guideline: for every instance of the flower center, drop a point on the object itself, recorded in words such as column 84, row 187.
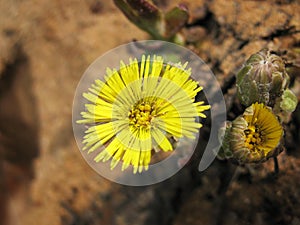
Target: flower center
column 141, row 115
column 253, row 138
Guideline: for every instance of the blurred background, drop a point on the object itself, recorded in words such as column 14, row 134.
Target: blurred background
column 45, row 47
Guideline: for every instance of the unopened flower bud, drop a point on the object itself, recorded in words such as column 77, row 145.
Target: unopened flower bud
column 289, row 101
column 285, row 105
column 262, row 79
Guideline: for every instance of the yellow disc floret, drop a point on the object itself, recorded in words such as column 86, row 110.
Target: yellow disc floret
column 141, row 115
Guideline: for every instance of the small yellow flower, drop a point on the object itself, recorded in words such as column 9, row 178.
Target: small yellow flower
column 254, row 136
column 140, row 108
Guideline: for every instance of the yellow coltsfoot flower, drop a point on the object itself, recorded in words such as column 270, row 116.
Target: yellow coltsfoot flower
column 139, row 108
column 252, row 137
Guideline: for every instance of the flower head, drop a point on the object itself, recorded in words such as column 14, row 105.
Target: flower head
column 254, row 136
column 139, row 109
column 262, row 79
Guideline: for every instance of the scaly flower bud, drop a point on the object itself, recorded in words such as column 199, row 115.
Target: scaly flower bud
column 262, row 79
